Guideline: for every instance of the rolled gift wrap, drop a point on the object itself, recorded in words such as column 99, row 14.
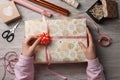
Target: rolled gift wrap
column 32, row 7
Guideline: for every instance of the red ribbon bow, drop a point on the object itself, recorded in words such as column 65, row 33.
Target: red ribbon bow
column 44, row 38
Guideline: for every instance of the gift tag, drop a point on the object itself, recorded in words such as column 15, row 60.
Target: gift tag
column 9, row 12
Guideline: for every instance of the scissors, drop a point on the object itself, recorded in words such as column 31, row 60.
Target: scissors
column 9, row 34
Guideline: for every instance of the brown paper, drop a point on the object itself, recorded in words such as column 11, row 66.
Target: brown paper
column 109, row 8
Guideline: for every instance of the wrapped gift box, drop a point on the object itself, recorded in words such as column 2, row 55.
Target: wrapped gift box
column 62, row 50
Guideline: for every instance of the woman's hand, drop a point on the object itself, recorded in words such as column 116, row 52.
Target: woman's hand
column 29, row 45
column 90, row 50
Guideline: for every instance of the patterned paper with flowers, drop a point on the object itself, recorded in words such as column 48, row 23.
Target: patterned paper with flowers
column 61, row 50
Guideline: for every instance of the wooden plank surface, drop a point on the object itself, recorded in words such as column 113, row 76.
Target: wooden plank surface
column 109, row 57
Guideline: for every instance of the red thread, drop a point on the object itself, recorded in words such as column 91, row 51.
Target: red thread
column 9, row 61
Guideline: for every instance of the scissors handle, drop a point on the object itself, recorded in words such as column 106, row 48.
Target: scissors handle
column 10, row 37
column 5, row 34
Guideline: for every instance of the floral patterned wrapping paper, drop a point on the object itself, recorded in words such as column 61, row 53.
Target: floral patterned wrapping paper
column 61, row 50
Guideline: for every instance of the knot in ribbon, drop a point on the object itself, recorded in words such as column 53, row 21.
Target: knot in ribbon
column 44, row 38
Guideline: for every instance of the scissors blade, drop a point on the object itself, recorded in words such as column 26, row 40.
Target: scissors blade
column 16, row 25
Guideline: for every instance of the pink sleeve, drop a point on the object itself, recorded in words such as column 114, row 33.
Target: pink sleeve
column 24, row 68
column 95, row 70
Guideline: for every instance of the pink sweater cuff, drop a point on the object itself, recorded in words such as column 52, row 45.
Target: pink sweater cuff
column 26, row 60
column 94, row 63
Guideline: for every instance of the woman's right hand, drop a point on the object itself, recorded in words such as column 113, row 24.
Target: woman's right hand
column 29, row 45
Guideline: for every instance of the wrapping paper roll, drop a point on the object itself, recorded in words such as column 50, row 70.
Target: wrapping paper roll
column 32, row 7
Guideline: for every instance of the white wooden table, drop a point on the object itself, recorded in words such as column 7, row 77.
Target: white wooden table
column 109, row 57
